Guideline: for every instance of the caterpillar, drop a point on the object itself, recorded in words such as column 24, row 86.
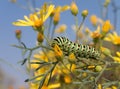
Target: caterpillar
column 79, row 50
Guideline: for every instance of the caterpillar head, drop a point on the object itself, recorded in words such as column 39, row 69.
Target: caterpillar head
column 55, row 41
column 59, row 41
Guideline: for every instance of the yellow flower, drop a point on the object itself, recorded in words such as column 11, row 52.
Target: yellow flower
column 114, row 87
column 33, row 86
column 96, row 33
column 74, row 8
column 60, row 9
column 44, row 56
column 118, row 54
column 61, row 28
column 99, row 86
column 87, row 30
column 64, row 8
column 58, row 51
column 93, row 20
column 56, row 18
column 69, row 67
column 91, row 67
column 50, row 86
column 84, row 74
column 54, row 85
column 67, row 79
column 84, row 13
column 108, row 88
column 72, row 68
column 41, row 56
column 106, row 26
column 106, row 3
column 59, row 69
column 56, row 13
column 114, row 38
column 35, row 20
column 72, row 58
column 34, row 66
column 117, row 58
column 106, row 51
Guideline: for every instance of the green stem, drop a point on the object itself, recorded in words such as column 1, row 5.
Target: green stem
column 45, row 64
column 52, row 71
column 50, row 24
column 76, row 22
column 47, row 39
column 46, row 74
column 87, row 71
column 53, row 31
column 34, row 48
column 97, row 78
column 29, row 56
column 31, row 79
column 110, row 83
column 77, row 32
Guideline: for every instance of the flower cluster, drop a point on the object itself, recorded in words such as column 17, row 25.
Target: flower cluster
column 50, row 67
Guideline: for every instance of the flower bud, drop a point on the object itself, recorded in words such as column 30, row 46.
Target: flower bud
column 18, row 34
column 107, row 2
column 84, row 13
column 106, row 26
column 92, row 78
column 72, row 58
column 87, row 31
column 13, row 1
column 74, row 8
column 98, row 68
column 106, row 51
column 40, row 37
column 61, row 28
column 84, row 74
column 93, row 20
column 52, row 13
column 67, row 79
column 56, row 18
column 96, row 34
column 91, row 67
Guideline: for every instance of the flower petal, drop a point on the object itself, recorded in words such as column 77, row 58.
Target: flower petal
column 118, row 54
column 50, row 9
column 53, row 86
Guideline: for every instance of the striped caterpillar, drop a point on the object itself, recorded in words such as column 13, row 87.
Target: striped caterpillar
column 79, row 50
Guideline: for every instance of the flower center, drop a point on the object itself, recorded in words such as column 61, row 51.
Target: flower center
column 38, row 23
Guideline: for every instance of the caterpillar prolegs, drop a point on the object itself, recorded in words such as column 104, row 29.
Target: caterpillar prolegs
column 79, row 50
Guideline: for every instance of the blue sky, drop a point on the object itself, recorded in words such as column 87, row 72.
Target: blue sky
column 10, row 12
